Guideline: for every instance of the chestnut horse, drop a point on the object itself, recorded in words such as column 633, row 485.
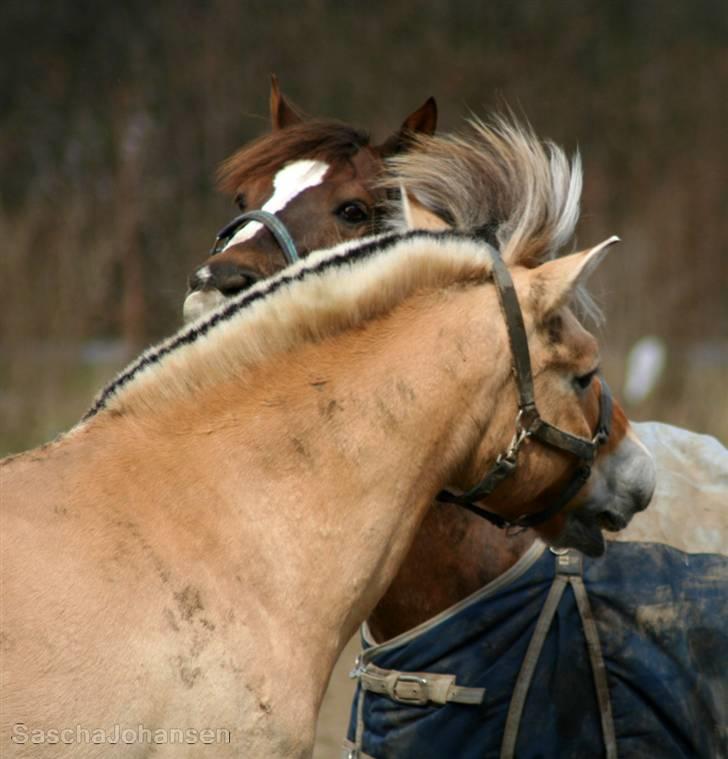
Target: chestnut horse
column 304, row 169
column 262, row 473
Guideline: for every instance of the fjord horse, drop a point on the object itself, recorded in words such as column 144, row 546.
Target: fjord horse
column 196, row 551
column 304, row 169
column 455, row 554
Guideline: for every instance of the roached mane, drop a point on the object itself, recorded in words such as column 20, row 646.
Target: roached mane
column 324, row 294
column 321, row 139
column 497, row 181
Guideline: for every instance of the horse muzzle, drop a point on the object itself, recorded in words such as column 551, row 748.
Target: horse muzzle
column 621, row 485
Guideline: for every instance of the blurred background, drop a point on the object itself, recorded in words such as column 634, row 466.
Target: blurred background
column 114, row 117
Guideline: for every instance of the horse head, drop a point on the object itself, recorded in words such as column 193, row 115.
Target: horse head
column 580, row 467
column 501, row 186
column 319, row 179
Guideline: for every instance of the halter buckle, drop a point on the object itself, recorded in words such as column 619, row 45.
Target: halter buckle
column 528, row 418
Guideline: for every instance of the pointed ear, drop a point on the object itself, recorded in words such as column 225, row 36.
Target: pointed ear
column 554, row 282
column 416, row 216
column 421, row 121
column 282, row 112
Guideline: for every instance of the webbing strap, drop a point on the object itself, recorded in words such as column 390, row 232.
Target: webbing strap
column 599, row 670
column 413, row 688
column 568, row 572
column 523, row 683
column 417, row 687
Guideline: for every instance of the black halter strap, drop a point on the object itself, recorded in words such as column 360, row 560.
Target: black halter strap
column 270, row 221
column 529, row 423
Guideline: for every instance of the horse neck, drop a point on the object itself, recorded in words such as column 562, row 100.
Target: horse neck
column 352, row 438
column 315, row 470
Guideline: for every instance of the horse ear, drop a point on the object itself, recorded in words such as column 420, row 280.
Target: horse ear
column 282, row 112
column 553, row 282
column 416, row 216
column 421, row 121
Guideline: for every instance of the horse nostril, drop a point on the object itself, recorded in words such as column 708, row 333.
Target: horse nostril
column 235, row 283
column 226, row 277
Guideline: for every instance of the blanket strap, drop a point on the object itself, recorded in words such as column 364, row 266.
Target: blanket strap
column 568, row 572
column 599, row 669
column 413, row 688
column 417, row 688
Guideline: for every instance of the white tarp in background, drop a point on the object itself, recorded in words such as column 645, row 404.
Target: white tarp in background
column 690, row 507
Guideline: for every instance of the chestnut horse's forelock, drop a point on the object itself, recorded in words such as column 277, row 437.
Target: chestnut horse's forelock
column 346, row 206
column 323, row 139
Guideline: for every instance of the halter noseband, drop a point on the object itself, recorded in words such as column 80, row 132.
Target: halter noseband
column 270, row 221
column 529, row 423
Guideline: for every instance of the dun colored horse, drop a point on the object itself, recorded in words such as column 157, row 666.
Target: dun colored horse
column 456, row 554
column 193, row 555
column 304, row 169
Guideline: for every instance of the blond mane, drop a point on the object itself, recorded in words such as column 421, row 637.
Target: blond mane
column 496, row 181
column 327, row 293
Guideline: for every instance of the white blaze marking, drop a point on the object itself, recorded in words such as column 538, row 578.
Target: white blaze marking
column 289, row 182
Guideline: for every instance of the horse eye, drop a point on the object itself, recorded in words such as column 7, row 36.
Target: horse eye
column 240, row 201
column 353, row 213
column 584, row 381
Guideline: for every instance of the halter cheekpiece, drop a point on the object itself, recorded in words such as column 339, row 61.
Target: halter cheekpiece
column 529, row 423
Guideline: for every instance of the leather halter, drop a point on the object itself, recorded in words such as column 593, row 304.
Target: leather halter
column 270, row 221
column 529, row 423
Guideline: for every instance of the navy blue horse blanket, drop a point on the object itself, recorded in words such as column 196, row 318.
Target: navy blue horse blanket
column 655, row 686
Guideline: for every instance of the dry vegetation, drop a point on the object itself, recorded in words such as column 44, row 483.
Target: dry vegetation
column 114, row 117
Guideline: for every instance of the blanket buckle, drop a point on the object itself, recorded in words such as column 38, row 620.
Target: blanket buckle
column 410, row 689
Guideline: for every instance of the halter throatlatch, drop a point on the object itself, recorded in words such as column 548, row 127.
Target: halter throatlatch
column 270, row 221
column 529, row 423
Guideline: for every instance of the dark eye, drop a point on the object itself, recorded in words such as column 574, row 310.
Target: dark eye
column 353, row 212
column 584, row 381
column 240, row 201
